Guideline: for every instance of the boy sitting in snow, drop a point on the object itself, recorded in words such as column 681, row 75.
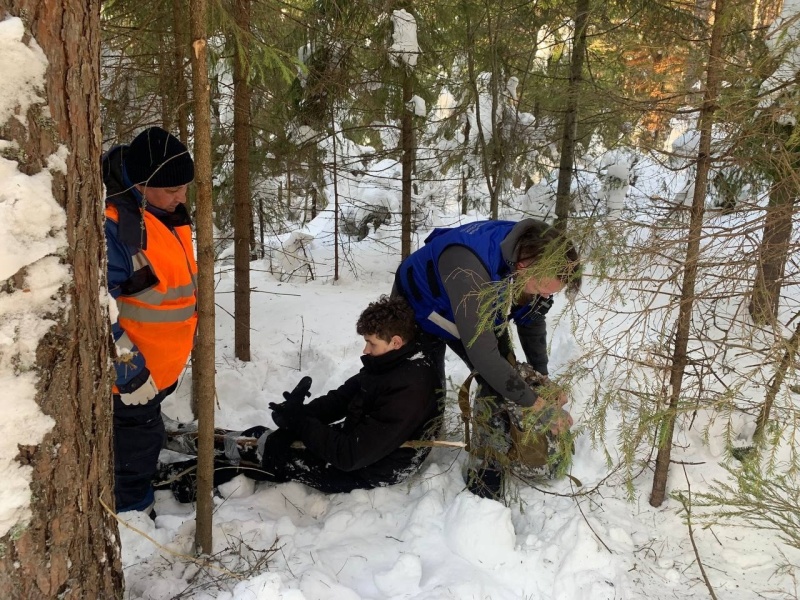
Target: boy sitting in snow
column 353, row 436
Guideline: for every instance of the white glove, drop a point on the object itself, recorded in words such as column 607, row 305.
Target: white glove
column 141, row 395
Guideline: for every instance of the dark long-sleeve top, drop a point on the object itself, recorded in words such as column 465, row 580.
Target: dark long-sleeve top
column 391, row 400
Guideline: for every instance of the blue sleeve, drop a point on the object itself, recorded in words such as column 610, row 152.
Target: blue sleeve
column 120, row 263
column 133, row 372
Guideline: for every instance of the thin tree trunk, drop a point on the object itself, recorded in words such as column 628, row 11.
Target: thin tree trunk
column 204, row 355
column 775, row 385
column 69, row 546
column 261, row 223
column 570, row 133
column 773, row 252
column 466, row 171
column 243, row 212
column 474, row 84
column 679, row 355
column 165, row 77
column 497, row 166
column 289, row 186
column 180, row 42
column 314, row 202
column 407, row 146
column 335, row 206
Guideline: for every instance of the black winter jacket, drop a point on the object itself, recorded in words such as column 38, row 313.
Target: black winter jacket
column 391, row 400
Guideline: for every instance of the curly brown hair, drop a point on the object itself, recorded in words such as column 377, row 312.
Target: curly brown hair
column 386, row 318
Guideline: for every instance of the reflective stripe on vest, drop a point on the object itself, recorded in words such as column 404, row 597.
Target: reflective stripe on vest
column 155, row 315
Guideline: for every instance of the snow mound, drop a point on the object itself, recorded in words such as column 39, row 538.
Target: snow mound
column 402, row 578
column 479, row 531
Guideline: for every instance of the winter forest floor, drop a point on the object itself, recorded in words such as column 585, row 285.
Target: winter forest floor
column 430, row 539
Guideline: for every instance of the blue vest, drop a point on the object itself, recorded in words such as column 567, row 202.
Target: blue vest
column 419, row 281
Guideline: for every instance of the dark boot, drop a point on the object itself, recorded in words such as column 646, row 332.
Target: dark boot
column 486, row 483
column 179, row 477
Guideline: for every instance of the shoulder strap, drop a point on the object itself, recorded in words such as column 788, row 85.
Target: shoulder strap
column 463, row 404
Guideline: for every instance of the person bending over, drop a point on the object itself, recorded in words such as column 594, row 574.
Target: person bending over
column 465, row 285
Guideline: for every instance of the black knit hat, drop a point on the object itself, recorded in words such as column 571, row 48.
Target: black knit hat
column 156, row 158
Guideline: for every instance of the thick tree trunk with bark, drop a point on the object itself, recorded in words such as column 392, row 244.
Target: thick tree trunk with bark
column 203, row 364
column 570, row 132
column 679, row 355
column 70, row 548
column 243, row 212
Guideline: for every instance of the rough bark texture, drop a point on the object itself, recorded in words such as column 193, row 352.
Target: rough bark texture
column 203, row 364
column 568, row 138
column 679, row 355
column 243, row 212
column 70, row 549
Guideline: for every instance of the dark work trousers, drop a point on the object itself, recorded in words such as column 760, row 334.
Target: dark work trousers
column 490, row 425
column 138, row 438
column 281, row 463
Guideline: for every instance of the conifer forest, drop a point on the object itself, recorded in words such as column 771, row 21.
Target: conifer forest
column 329, row 139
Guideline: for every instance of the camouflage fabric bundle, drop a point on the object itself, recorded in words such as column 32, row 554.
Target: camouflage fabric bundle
column 535, row 451
column 517, row 440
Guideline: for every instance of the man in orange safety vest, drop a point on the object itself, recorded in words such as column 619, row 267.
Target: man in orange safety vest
column 152, row 276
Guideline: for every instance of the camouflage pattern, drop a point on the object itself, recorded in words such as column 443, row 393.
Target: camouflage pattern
column 517, row 440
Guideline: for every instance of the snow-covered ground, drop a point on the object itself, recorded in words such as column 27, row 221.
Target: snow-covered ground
column 427, row 539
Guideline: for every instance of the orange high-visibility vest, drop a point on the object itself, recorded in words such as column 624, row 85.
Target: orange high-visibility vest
column 161, row 319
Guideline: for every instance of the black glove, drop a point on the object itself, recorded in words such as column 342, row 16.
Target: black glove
column 289, row 414
column 300, row 392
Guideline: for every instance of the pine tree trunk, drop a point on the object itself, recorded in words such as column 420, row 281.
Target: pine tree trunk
column 165, row 79
column 567, row 159
column 679, row 355
column 789, row 355
column 70, row 547
column 482, row 146
column 498, row 150
column 243, row 212
column 180, row 41
column 203, row 364
column 335, row 204
column 407, row 147
column 773, row 253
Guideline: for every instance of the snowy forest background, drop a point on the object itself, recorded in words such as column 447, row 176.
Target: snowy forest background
column 662, row 135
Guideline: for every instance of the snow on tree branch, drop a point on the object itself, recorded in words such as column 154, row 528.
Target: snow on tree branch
column 404, row 46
